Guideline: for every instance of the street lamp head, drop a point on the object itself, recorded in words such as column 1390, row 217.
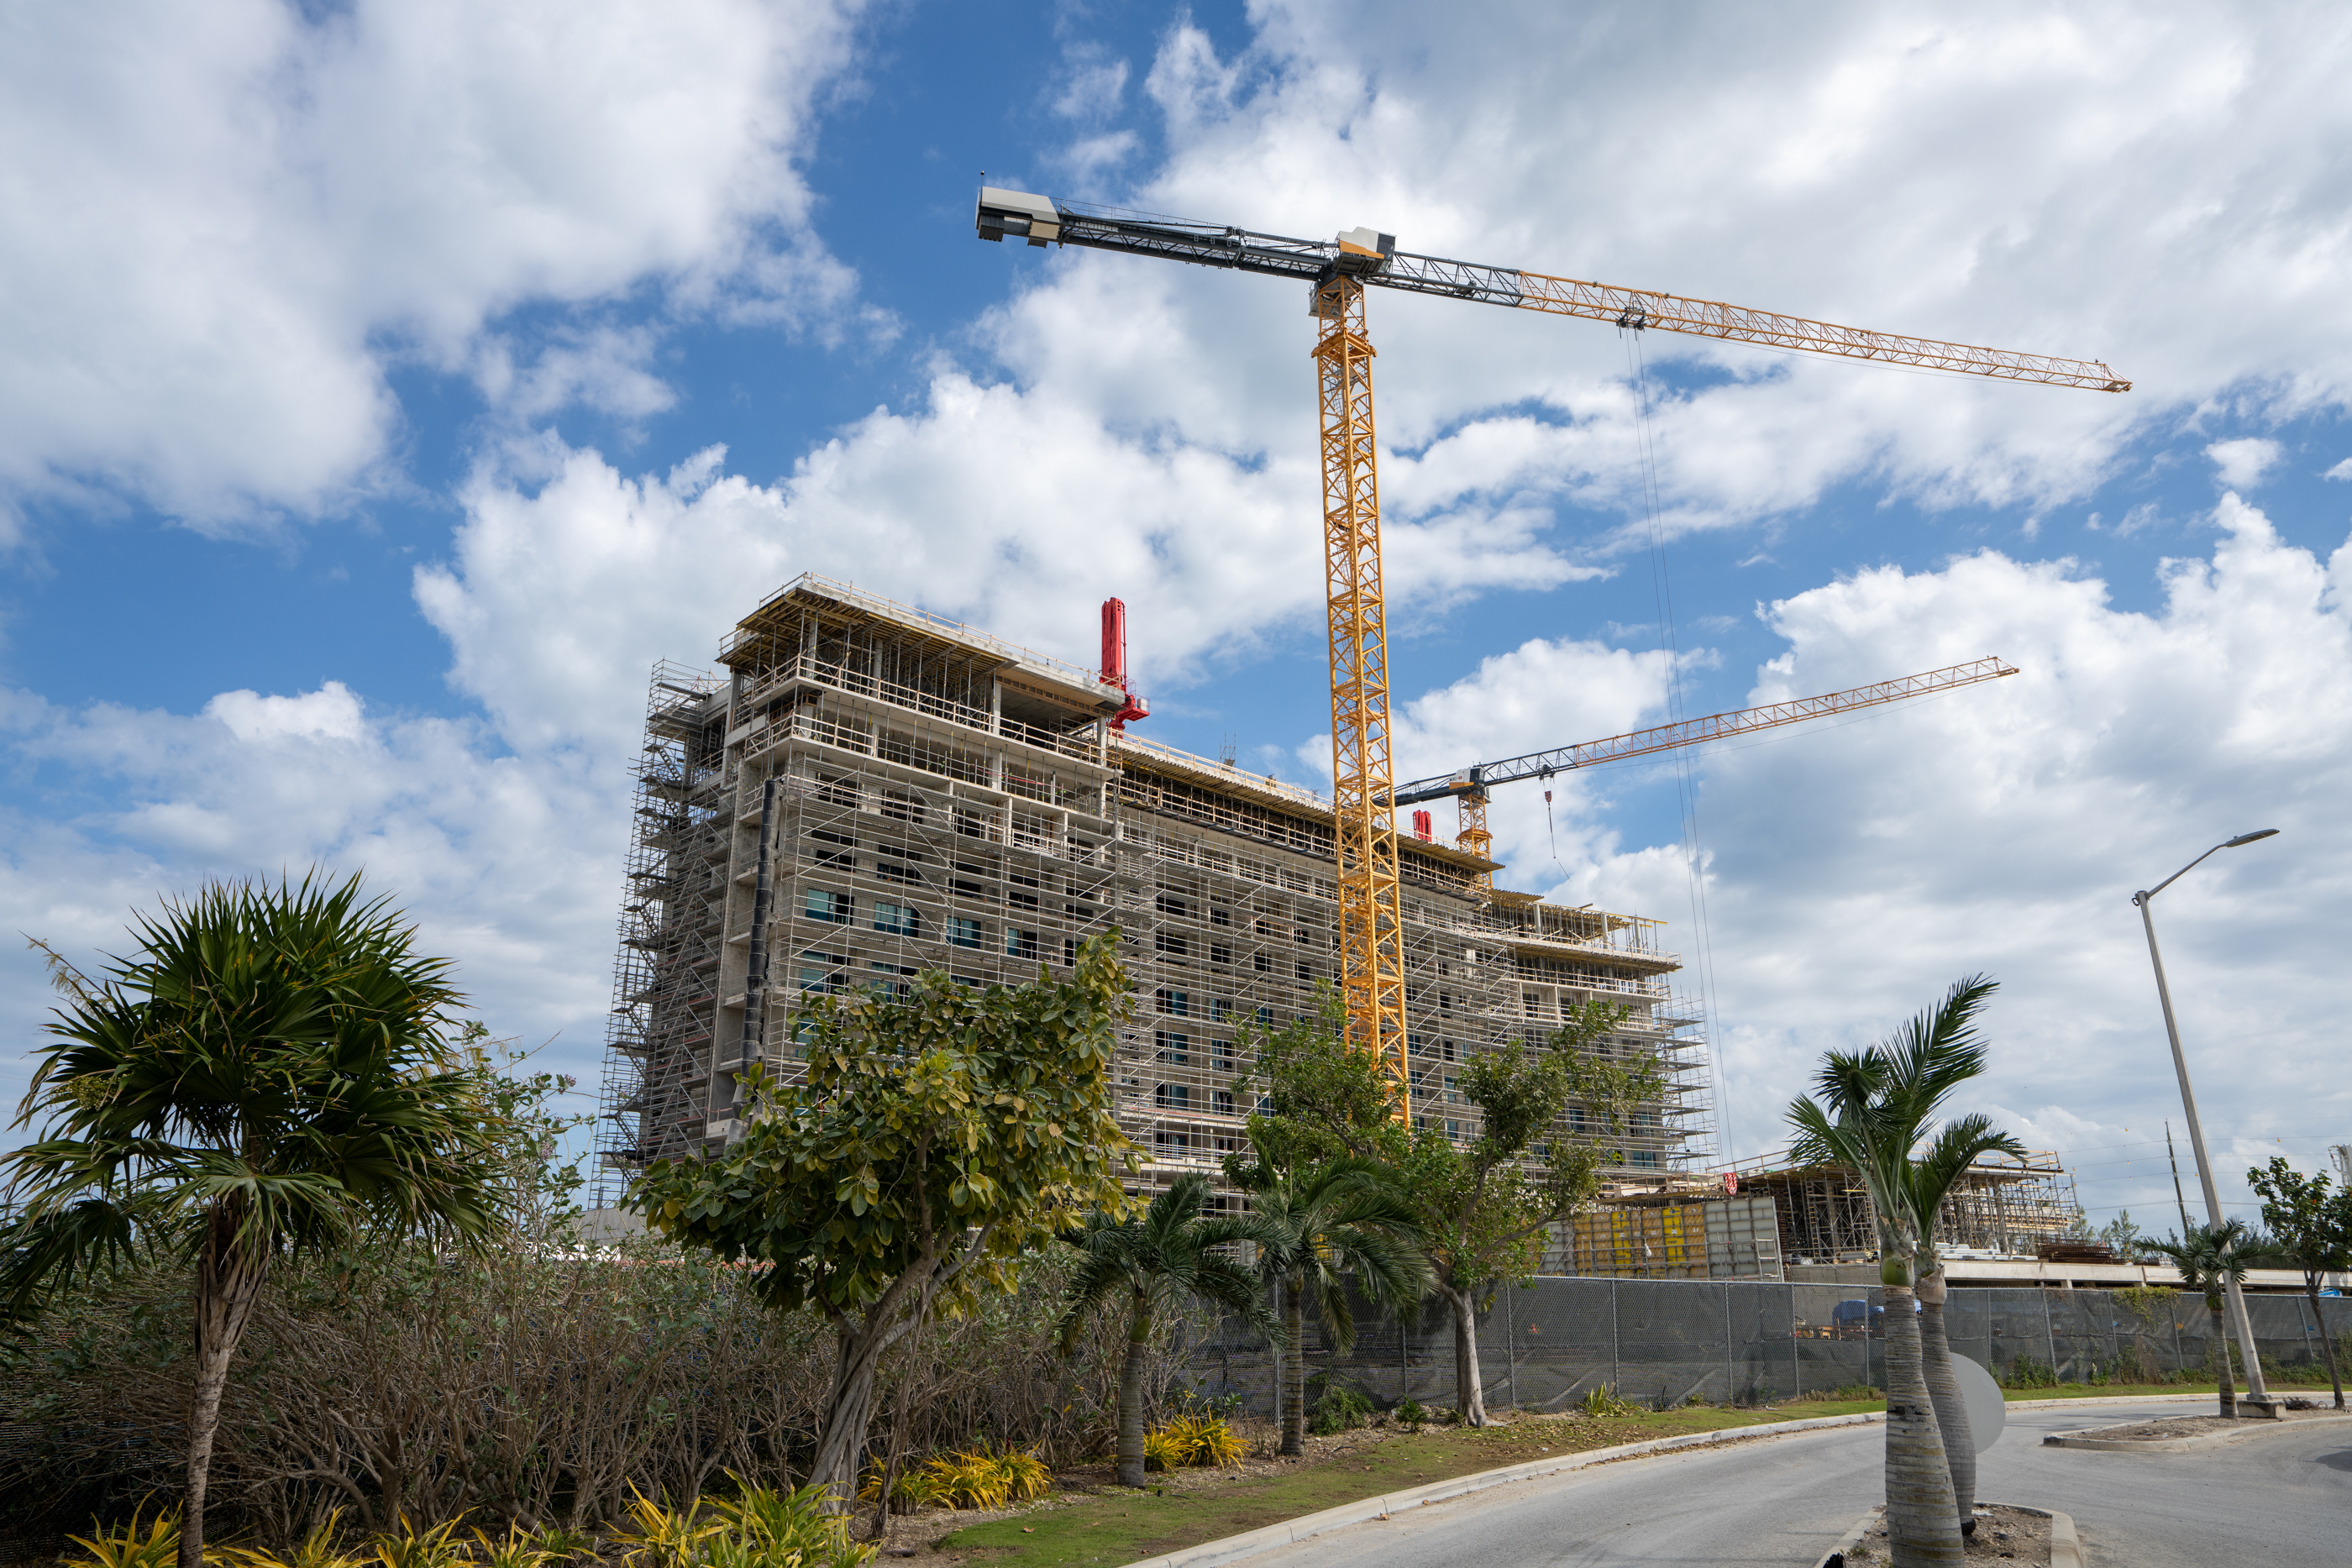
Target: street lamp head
column 2250, row 838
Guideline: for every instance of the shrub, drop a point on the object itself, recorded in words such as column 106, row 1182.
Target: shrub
column 130, row 1545
column 2027, row 1373
column 1198, row 1438
column 1410, row 1413
column 1601, row 1400
column 1339, row 1410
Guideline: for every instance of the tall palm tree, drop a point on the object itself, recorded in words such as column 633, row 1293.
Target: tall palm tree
column 269, row 1074
column 1169, row 1256
column 1878, row 1103
column 2210, row 1259
column 1933, row 1176
column 1323, row 1224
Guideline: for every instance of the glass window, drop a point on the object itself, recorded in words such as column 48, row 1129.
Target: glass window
column 1176, row 1048
column 1224, row 1102
column 1176, row 1004
column 963, row 933
column 1020, row 944
column 826, row 904
column 899, row 918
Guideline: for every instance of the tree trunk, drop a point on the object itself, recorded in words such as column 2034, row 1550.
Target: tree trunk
column 1130, row 1394
column 1922, row 1526
column 2326, row 1340
column 228, row 1282
column 1469, row 1390
column 1944, row 1394
column 841, row 1442
column 1294, row 1368
column 2221, row 1338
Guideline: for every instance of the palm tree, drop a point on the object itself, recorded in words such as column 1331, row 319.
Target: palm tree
column 1879, row 1102
column 1933, row 1176
column 270, row 1074
column 1158, row 1261
column 1347, row 1216
column 2210, row 1259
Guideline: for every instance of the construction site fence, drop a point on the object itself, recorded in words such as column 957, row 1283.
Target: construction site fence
column 1544, row 1346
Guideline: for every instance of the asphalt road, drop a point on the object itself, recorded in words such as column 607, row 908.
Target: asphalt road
column 2282, row 1499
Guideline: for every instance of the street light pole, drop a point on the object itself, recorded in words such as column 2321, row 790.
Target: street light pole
column 2257, row 1392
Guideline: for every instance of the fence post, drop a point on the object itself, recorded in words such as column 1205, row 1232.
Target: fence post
column 1616, row 1365
column 1510, row 1344
column 2050, row 1335
column 1730, row 1386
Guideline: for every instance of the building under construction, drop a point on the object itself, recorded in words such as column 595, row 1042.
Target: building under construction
column 869, row 791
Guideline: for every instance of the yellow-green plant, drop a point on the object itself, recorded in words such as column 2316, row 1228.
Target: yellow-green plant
column 1214, row 1439
column 761, row 1527
column 1603, row 1401
column 1164, row 1450
column 563, row 1544
column 658, row 1536
column 409, row 1547
column 318, row 1548
column 912, row 1489
column 517, row 1548
column 137, row 1544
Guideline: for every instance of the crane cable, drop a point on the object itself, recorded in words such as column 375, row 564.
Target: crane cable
column 1670, row 643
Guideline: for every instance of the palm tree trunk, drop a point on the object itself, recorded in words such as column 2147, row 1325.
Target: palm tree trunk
column 1294, row 1368
column 1944, row 1394
column 1131, row 1394
column 1922, row 1524
column 2326, row 1340
column 2221, row 1338
column 228, row 1282
column 1469, row 1390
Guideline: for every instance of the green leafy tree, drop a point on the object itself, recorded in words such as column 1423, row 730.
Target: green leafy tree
column 1320, row 1227
column 2310, row 1223
column 1485, row 1203
column 933, row 1140
column 270, row 1074
column 1875, row 1107
column 1171, row 1256
column 2212, row 1257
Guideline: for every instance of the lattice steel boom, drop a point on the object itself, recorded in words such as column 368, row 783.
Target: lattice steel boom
column 1474, row 781
column 1336, row 272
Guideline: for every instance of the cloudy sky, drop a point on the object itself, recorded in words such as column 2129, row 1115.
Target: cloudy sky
column 383, row 387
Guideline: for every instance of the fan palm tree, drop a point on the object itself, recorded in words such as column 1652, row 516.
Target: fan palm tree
column 1344, row 1218
column 1933, row 1176
column 2212, row 1257
column 1878, row 1102
column 270, row 1074
column 1169, row 1256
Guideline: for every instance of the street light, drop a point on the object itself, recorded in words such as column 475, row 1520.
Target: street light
column 2256, row 1392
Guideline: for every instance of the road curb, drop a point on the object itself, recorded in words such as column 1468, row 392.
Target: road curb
column 1289, row 1532
column 2065, row 1545
column 2182, row 1445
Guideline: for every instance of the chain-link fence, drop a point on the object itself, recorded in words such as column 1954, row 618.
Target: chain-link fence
column 1543, row 1345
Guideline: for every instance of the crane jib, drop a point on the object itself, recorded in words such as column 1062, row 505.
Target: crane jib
column 1695, row 731
column 1019, row 216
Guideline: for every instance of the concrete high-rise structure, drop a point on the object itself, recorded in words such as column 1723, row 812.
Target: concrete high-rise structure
column 870, row 790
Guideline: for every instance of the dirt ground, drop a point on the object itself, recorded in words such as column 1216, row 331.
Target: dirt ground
column 2003, row 1535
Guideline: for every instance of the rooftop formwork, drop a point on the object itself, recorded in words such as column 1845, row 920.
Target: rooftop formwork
column 926, row 797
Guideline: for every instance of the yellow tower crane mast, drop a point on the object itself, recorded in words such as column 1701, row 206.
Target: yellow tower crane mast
column 1336, row 272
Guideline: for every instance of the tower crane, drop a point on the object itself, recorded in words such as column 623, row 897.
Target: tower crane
column 1336, row 272
column 1469, row 786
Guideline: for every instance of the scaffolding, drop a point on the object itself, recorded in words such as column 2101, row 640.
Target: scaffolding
column 2001, row 1207
column 926, row 797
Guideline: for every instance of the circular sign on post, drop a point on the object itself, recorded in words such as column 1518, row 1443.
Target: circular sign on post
column 1987, row 1411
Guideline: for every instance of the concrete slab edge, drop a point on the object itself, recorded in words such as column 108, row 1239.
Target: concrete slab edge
column 2184, row 1445
column 1289, row 1532
column 1835, row 1556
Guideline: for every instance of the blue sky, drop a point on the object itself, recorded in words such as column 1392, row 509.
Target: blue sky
column 389, row 386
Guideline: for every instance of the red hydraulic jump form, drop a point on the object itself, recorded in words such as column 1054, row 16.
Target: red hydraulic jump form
column 1114, row 662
